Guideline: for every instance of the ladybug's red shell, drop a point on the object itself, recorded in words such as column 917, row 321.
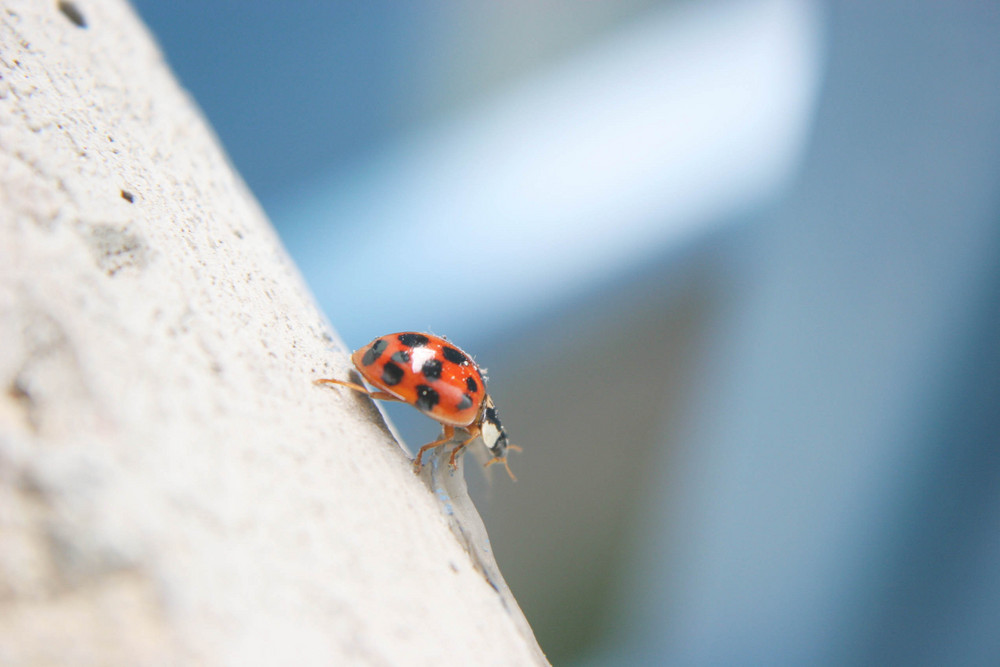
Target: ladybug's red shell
column 441, row 381
column 427, row 372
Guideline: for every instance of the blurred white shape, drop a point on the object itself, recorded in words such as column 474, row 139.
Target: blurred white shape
column 600, row 162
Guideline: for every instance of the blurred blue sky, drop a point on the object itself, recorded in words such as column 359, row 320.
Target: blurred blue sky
column 394, row 146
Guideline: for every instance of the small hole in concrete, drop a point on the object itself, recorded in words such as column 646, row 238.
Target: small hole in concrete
column 128, row 196
column 71, row 12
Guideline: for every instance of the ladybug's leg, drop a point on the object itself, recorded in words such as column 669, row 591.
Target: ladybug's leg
column 473, row 434
column 504, row 462
column 447, row 433
column 380, row 395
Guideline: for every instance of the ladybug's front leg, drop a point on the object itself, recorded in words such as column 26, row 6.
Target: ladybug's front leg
column 503, row 460
column 447, row 433
column 379, row 395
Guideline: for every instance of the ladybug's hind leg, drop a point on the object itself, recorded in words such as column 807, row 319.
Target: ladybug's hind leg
column 379, row 395
column 447, row 433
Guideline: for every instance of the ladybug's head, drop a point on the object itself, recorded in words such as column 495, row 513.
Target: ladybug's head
column 495, row 437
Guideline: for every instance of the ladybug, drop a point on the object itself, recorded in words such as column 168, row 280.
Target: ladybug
column 441, row 381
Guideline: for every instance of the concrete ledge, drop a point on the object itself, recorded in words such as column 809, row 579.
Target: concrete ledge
column 173, row 488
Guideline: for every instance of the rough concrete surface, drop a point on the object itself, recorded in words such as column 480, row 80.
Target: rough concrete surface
column 173, row 488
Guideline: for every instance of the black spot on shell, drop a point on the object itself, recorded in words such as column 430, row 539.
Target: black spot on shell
column 454, row 356
column 374, row 352
column 413, row 339
column 128, row 196
column 472, row 385
column 401, row 357
column 465, row 403
column 391, row 373
column 427, row 398
column 432, row 369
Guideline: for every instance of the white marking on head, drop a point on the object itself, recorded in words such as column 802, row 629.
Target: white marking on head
column 491, row 434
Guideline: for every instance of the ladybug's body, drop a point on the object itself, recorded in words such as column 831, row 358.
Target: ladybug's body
column 438, row 379
column 428, row 373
